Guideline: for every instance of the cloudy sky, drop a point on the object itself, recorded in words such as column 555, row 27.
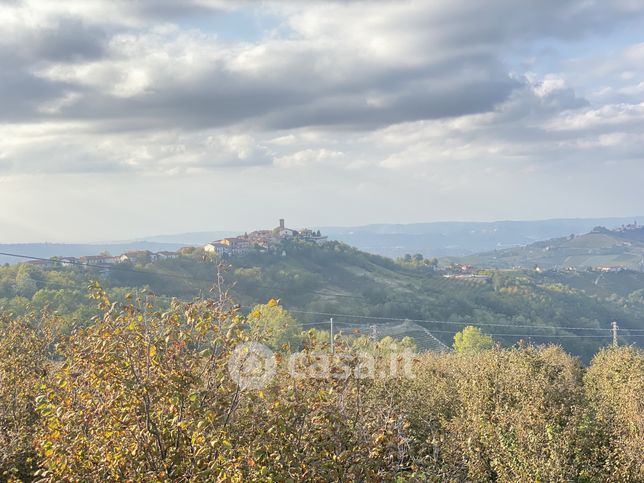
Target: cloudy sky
column 126, row 118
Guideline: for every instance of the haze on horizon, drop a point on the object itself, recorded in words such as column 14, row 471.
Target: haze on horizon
column 123, row 119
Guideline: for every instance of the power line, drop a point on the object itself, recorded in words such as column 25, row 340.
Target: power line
column 419, row 328
column 402, row 319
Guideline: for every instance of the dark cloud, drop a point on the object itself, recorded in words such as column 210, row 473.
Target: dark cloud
column 494, row 21
column 356, row 66
column 68, row 40
column 22, row 91
column 169, row 9
column 303, row 89
column 422, row 102
column 297, row 93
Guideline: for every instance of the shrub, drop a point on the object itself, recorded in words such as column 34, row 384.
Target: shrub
column 614, row 386
column 23, row 368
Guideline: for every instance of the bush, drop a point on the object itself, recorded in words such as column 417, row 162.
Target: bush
column 615, row 390
column 145, row 395
column 23, row 368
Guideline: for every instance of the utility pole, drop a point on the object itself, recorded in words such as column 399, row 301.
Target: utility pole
column 614, row 329
column 332, row 341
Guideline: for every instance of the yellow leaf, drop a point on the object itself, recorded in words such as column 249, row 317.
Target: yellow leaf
column 153, row 350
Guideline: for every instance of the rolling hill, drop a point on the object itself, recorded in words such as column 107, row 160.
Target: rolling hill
column 454, row 238
column 362, row 292
column 436, row 239
column 601, row 248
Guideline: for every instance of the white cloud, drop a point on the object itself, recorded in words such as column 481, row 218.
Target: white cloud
column 309, row 156
column 70, row 149
column 608, row 116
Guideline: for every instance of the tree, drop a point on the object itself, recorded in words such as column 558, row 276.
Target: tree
column 142, row 396
column 23, row 368
column 614, row 386
column 471, row 339
column 275, row 327
column 25, row 284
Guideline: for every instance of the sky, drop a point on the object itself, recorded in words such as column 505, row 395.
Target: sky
column 121, row 119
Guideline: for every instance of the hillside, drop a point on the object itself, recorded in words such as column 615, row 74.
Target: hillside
column 601, row 248
column 435, row 239
column 360, row 291
column 453, row 238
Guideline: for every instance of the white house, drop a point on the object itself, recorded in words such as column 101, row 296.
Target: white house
column 138, row 256
column 98, row 260
column 229, row 246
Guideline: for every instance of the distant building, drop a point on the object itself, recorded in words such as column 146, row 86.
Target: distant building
column 304, row 234
column 262, row 240
column 310, row 235
column 630, row 227
column 284, row 232
column 165, row 255
column 229, row 246
column 216, row 247
column 138, row 256
column 614, row 269
column 68, row 261
column 100, row 260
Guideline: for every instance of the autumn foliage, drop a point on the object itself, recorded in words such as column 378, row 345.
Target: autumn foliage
column 144, row 395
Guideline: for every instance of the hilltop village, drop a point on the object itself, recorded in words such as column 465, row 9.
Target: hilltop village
column 260, row 241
